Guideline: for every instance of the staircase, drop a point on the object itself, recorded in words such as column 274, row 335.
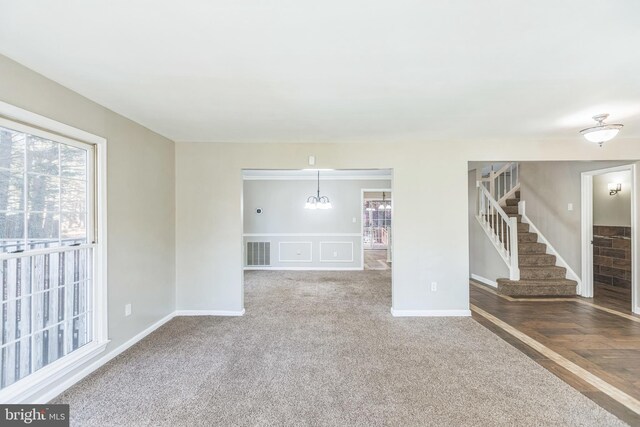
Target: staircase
column 532, row 271
column 539, row 275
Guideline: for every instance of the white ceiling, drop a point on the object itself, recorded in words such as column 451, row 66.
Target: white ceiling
column 340, row 70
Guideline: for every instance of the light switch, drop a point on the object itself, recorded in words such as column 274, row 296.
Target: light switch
column 570, row 207
column 312, row 160
column 353, row 219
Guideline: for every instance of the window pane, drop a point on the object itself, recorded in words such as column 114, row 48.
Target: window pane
column 12, row 146
column 44, row 299
column 11, row 231
column 73, row 195
column 44, row 193
column 73, row 228
column 42, row 156
column 43, row 230
column 73, row 162
column 11, row 190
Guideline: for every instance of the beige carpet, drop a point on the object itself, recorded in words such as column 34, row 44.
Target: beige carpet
column 322, row 349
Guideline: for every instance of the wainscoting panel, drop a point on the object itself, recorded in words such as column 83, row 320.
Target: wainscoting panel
column 295, row 251
column 336, row 252
column 309, row 251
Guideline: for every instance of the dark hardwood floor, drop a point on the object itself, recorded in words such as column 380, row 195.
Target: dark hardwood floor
column 612, row 296
column 606, row 345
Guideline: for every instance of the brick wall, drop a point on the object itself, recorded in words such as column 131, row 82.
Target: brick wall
column 612, row 255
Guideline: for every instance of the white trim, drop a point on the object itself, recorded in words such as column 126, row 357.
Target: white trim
column 305, row 268
column 336, row 260
column 52, row 393
column 586, row 234
column 586, row 221
column 430, row 313
column 503, row 200
column 16, row 113
column 313, row 178
column 24, row 389
column 209, row 312
column 42, row 126
column 489, row 232
column 301, row 235
column 362, row 200
column 550, row 249
column 484, row 280
column 295, row 260
column 93, row 349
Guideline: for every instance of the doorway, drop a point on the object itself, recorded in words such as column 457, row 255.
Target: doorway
column 376, row 228
column 609, row 267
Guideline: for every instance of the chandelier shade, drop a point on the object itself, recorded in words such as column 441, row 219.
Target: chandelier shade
column 317, row 201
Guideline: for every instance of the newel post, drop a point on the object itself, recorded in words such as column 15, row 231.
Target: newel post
column 513, row 247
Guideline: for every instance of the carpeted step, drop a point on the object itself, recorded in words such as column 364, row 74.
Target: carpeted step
column 510, row 209
column 525, row 260
column 512, row 202
column 522, row 288
column 515, row 215
column 532, row 248
column 523, row 228
column 527, row 237
column 542, row 272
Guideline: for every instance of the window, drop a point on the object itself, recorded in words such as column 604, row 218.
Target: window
column 48, row 245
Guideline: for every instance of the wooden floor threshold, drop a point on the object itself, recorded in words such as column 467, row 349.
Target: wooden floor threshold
column 616, row 394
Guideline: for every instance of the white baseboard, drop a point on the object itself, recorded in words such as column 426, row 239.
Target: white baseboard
column 209, row 312
column 560, row 262
column 52, row 393
column 484, row 280
column 430, row 313
column 48, row 395
column 305, row 268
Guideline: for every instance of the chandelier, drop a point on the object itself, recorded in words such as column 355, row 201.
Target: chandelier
column 317, row 201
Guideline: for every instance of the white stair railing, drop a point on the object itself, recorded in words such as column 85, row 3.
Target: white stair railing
column 500, row 228
column 503, row 183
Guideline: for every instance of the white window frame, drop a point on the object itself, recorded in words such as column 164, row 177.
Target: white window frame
column 16, row 118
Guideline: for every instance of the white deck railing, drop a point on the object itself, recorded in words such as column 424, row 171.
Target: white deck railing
column 501, row 229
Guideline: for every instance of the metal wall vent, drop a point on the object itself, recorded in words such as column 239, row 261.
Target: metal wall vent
column 258, row 253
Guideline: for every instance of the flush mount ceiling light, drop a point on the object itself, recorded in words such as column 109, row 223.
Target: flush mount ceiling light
column 602, row 132
column 317, row 202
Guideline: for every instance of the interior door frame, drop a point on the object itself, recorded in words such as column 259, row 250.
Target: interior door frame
column 368, row 190
column 586, row 289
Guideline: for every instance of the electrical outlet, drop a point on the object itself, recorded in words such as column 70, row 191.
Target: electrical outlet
column 434, row 286
column 335, row 254
column 353, row 220
column 570, row 207
column 127, row 310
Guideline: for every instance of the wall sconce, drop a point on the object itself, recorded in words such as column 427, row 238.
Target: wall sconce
column 614, row 188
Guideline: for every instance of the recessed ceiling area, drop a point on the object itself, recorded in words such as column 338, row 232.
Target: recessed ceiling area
column 340, row 71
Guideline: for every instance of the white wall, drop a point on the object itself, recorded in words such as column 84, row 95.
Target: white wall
column 430, row 183
column 612, row 210
column 283, row 214
column 140, row 191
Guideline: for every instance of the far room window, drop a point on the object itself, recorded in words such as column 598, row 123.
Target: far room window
column 47, row 245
